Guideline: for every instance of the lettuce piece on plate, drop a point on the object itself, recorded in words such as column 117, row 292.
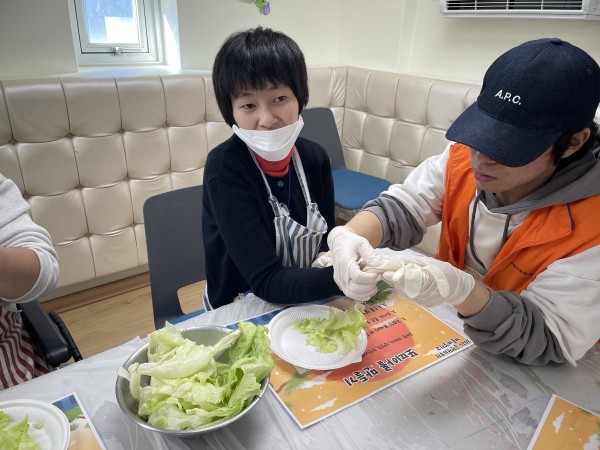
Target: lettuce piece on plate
column 188, row 387
column 15, row 435
column 339, row 333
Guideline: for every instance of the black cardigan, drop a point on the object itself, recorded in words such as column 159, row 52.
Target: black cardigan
column 238, row 229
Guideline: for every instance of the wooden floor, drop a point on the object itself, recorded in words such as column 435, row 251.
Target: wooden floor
column 110, row 315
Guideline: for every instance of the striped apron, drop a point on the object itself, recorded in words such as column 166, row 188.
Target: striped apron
column 18, row 360
column 297, row 245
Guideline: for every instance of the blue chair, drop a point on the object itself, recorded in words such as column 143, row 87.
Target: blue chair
column 352, row 189
column 173, row 223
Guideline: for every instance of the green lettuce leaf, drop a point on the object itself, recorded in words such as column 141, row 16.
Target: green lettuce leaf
column 15, row 435
column 173, row 356
column 189, row 388
column 339, row 333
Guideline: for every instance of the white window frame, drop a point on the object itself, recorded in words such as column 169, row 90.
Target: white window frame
column 149, row 26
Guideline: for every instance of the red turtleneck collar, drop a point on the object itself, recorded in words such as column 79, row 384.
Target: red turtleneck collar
column 275, row 168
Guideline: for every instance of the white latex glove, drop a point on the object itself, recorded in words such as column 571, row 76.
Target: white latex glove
column 428, row 281
column 348, row 249
column 325, row 259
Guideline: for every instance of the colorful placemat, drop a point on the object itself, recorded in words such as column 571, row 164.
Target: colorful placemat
column 403, row 339
column 565, row 425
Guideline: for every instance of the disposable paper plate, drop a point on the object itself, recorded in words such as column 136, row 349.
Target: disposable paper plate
column 290, row 345
column 48, row 425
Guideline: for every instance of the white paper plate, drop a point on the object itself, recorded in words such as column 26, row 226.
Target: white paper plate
column 52, row 432
column 290, row 345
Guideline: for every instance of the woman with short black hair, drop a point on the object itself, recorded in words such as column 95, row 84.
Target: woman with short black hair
column 268, row 194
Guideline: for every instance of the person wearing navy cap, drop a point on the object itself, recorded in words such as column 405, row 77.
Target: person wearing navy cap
column 518, row 199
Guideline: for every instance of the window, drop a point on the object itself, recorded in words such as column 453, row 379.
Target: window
column 116, row 31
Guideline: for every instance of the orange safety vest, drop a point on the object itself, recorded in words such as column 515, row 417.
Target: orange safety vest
column 546, row 235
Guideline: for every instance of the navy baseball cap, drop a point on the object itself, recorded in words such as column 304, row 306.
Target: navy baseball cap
column 530, row 96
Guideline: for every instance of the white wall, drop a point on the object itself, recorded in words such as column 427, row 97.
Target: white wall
column 392, row 35
column 314, row 25
column 463, row 48
column 35, row 38
column 377, row 35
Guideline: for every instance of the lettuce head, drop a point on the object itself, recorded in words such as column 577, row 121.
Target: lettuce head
column 194, row 385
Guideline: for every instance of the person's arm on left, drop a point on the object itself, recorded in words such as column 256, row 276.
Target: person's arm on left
column 28, row 264
column 19, row 270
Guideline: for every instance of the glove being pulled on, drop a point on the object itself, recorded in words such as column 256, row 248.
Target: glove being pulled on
column 348, row 249
column 427, row 281
column 325, row 259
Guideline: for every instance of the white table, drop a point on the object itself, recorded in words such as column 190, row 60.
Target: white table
column 471, row 400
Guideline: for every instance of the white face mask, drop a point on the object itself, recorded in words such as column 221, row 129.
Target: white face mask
column 272, row 145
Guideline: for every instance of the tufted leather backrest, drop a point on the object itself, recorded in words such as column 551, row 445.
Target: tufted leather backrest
column 393, row 122
column 86, row 152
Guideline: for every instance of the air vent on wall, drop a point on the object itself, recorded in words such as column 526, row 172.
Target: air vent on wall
column 526, row 9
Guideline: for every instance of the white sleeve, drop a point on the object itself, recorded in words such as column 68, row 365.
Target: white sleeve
column 422, row 193
column 568, row 294
column 18, row 230
column 406, row 210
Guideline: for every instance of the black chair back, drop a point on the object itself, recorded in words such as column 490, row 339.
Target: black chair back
column 173, row 223
column 320, row 127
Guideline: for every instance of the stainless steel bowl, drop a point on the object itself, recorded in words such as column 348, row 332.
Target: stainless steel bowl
column 207, row 335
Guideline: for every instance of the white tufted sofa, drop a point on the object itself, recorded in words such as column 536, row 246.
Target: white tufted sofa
column 87, row 151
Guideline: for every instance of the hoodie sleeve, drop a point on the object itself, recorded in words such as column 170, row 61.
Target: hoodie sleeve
column 512, row 325
column 555, row 319
column 406, row 210
column 18, row 230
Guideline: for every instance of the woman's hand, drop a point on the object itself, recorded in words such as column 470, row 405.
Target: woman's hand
column 348, row 249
